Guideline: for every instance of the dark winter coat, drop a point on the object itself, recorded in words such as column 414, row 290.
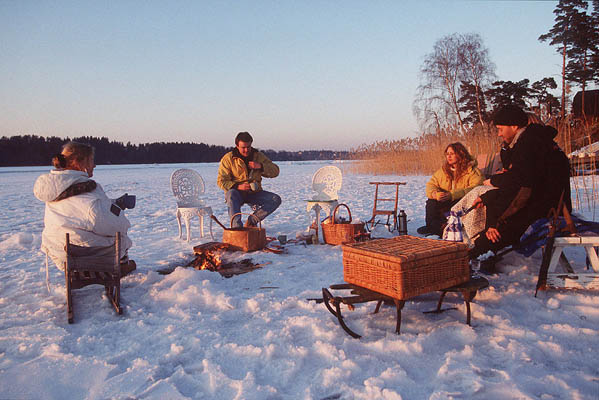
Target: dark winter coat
column 537, row 163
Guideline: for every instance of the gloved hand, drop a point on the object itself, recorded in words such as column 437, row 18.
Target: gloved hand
column 125, row 201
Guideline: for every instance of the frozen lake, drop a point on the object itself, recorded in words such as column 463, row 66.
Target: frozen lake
column 193, row 334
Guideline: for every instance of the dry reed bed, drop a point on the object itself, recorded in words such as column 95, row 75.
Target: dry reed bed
column 425, row 154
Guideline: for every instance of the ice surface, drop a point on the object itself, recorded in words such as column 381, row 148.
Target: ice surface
column 193, row 334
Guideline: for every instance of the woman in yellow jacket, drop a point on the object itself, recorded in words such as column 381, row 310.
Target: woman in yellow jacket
column 448, row 185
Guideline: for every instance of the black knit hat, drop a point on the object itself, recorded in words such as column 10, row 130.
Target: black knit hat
column 510, row 115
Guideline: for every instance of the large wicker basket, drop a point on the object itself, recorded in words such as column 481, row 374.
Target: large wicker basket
column 405, row 266
column 334, row 233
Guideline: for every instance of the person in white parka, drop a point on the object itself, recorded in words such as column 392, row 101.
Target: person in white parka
column 77, row 205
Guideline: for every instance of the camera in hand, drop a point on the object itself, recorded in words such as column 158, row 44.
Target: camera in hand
column 125, row 201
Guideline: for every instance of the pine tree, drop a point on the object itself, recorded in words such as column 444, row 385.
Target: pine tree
column 584, row 45
column 507, row 92
column 594, row 63
column 473, row 104
column 563, row 33
column 545, row 100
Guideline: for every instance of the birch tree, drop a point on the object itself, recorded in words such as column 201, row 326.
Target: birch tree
column 455, row 58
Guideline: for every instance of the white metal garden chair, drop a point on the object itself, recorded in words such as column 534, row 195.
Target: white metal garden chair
column 188, row 186
column 326, row 183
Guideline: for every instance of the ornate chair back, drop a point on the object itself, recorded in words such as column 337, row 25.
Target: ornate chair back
column 187, row 186
column 326, row 182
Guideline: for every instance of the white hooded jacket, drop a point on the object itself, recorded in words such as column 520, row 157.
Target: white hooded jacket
column 86, row 217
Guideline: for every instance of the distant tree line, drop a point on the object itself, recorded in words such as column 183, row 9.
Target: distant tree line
column 30, row 150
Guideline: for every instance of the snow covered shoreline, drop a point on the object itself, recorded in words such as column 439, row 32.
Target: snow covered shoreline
column 193, row 334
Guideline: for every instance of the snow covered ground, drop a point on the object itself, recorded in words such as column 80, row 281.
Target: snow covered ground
column 194, row 334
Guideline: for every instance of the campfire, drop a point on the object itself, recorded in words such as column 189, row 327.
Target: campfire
column 209, row 256
column 216, row 256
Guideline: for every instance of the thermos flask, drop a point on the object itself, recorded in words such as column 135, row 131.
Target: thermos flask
column 402, row 223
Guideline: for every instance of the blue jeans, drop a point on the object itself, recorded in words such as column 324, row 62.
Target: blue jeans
column 263, row 203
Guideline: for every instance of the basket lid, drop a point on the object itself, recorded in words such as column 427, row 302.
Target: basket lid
column 407, row 248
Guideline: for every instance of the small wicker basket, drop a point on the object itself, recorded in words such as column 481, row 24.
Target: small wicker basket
column 245, row 239
column 334, row 233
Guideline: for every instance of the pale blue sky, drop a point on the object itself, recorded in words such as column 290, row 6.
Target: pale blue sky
column 295, row 74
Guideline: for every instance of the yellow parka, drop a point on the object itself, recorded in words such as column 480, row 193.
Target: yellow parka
column 232, row 170
column 440, row 181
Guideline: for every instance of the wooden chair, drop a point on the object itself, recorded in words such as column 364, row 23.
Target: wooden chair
column 93, row 266
column 489, row 164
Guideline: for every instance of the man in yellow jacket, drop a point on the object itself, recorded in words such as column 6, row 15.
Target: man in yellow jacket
column 240, row 176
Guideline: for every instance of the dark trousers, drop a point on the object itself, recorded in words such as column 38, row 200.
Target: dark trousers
column 435, row 214
column 510, row 233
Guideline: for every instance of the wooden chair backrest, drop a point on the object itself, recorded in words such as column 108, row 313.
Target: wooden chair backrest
column 98, row 258
column 489, row 164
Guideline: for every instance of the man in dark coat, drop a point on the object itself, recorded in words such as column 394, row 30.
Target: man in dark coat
column 538, row 174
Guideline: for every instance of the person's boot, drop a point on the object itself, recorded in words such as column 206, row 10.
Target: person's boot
column 128, row 267
column 250, row 222
column 426, row 231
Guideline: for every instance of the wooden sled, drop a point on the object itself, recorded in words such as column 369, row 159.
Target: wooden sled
column 363, row 295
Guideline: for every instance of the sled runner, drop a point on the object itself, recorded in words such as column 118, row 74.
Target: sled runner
column 359, row 295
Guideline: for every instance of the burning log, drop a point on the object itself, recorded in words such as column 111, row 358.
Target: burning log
column 209, row 256
column 213, row 257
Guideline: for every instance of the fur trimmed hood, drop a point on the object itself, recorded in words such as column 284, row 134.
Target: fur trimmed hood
column 49, row 186
column 76, row 205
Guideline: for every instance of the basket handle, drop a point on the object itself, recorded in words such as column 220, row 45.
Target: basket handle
column 240, row 213
column 335, row 212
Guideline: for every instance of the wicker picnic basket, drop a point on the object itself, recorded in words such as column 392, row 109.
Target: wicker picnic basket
column 338, row 233
column 405, row 266
column 245, row 239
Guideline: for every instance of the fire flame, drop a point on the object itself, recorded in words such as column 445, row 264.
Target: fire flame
column 210, row 260
column 215, row 257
